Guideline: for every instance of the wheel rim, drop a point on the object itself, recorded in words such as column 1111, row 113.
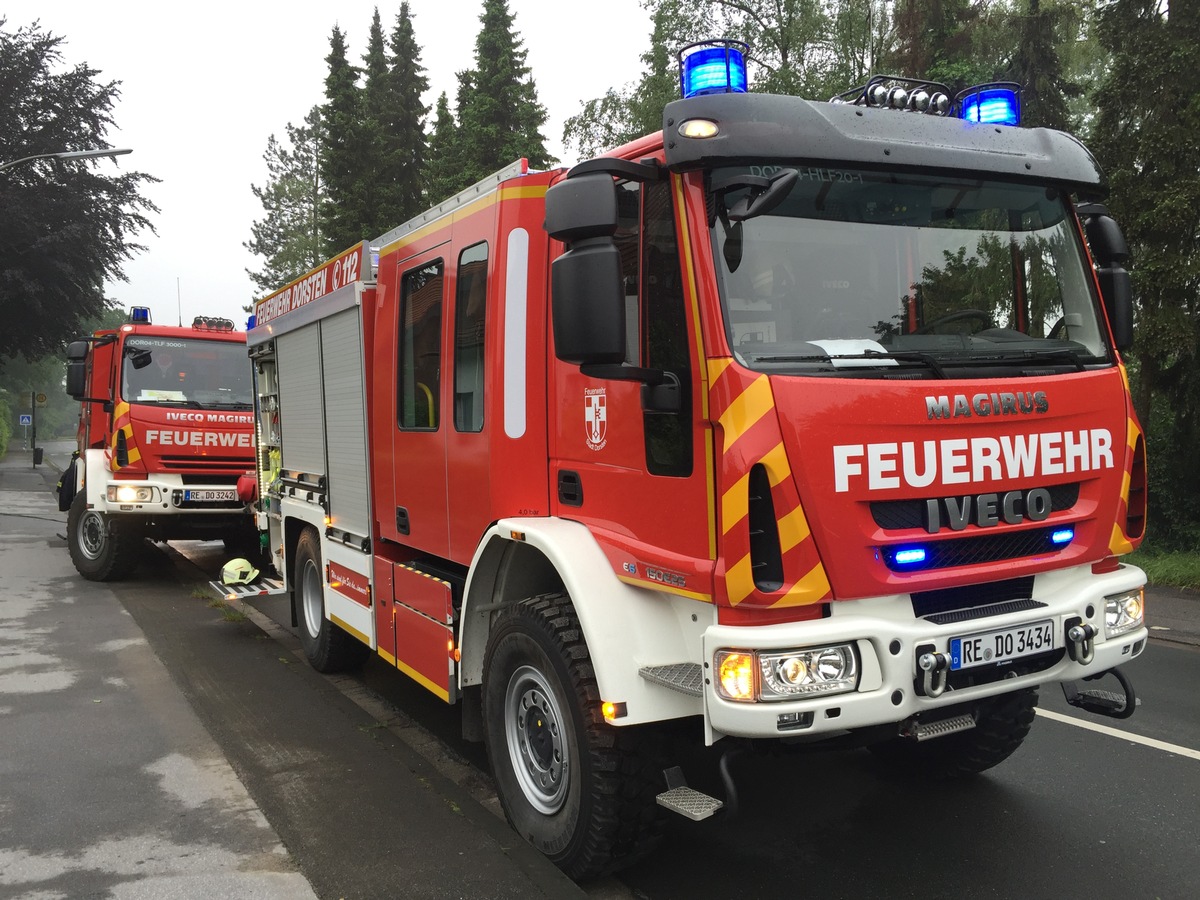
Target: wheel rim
column 533, row 726
column 92, row 534
column 311, row 599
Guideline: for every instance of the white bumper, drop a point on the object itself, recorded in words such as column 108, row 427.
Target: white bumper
column 886, row 636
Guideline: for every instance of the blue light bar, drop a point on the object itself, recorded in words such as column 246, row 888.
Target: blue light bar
column 910, row 556
column 991, row 105
column 139, row 315
column 715, row 67
column 1062, row 536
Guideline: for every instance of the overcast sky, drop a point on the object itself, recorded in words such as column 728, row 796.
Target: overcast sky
column 204, row 85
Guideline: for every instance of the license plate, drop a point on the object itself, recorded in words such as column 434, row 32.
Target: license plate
column 209, row 496
column 991, row 647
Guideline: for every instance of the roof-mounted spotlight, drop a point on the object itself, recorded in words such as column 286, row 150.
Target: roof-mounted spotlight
column 713, row 67
column 898, row 92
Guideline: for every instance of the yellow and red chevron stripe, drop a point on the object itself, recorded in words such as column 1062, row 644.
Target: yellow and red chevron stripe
column 1133, row 481
column 743, row 406
column 122, row 426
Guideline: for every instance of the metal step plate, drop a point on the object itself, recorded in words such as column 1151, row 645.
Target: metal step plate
column 687, row 678
column 928, row 731
column 260, row 588
column 690, row 803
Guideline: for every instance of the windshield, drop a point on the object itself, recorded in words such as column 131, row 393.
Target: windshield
column 850, row 269
column 198, row 374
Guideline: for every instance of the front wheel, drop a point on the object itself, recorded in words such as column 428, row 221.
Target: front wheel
column 578, row 789
column 1001, row 724
column 101, row 549
column 328, row 647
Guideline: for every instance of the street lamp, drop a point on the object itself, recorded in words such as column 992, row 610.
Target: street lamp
column 66, row 154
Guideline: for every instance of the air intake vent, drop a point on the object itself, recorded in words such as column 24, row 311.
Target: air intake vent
column 766, row 559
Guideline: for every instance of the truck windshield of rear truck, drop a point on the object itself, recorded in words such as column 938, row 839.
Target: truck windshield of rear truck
column 186, row 372
column 857, row 272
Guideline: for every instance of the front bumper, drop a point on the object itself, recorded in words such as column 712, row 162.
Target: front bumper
column 888, row 639
column 160, row 496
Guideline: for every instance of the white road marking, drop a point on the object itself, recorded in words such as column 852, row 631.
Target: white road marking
column 1123, row 735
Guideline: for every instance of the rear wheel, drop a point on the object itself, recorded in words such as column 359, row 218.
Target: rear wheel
column 101, row 549
column 328, row 647
column 1001, row 724
column 578, row 789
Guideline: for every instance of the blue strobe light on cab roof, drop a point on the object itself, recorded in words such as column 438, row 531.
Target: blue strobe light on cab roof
column 991, row 104
column 713, row 67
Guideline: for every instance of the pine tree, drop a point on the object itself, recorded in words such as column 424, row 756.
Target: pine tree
column 404, row 121
column 342, row 214
column 502, row 118
column 375, row 182
column 443, row 174
column 289, row 237
column 1038, row 68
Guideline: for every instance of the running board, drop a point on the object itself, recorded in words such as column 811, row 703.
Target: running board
column 260, row 588
column 687, row 678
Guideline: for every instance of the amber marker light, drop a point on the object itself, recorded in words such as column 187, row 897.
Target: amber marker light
column 735, row 674
column 613, row 710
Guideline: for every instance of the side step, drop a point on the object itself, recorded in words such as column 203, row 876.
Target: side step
column 686, row 801
column 927, row 731
column 260, row 588
column 687, row 678
column 1101, row 702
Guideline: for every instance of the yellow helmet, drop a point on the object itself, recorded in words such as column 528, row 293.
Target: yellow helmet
column 238, row 571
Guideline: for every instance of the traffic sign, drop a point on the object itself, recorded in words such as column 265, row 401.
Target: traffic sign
column 26, row 419
column 40, row 400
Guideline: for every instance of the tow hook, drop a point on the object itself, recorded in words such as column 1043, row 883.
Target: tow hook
column 936, row 667
column 1080, row 646
column 1100, row 702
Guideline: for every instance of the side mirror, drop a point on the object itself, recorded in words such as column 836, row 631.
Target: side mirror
column 77, row 352
column 587, row 294
column 1111, row 252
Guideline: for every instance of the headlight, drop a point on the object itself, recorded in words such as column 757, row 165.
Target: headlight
column 130, row 493
column 1124, row 612
column 786, row 674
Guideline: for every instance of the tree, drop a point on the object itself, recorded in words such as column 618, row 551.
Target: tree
column 501, row 118
column 1145, row 138
column 66, row 229
column 1039, row 69
column 404, row 121
column 374, row 182
column 443, row 174
column 635, row 110
column 289, row 235
column 342, row 213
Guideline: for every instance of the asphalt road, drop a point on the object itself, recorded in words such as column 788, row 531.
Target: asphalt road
column 356, row 774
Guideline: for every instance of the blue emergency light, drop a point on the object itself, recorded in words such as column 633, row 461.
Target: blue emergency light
column 909, row 556
column 139, row 315
column 1061, row 536
column 991, row 104
column 713, row 67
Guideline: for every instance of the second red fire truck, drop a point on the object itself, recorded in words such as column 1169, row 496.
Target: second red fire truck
column 804, row 421
column 165, row 430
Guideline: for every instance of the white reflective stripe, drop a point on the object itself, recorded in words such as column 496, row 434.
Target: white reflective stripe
column 516, row 302
column 1122, row 735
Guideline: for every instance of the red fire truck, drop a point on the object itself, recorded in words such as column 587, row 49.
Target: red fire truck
column 804, row 421
column 165, row 430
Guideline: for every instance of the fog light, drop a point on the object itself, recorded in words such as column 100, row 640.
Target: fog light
column 1124, row 613
column 735, row 674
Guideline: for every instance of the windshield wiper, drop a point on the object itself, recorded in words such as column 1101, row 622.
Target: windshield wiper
column 1023, row 357
column 867, row 355
column 912, row 356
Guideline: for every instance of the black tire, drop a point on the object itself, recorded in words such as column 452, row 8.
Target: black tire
column 578, row 789
column 102, row 549
column 1001, row 724
column 328, row 647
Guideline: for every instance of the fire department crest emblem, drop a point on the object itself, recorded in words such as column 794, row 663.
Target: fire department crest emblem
column 595, row 417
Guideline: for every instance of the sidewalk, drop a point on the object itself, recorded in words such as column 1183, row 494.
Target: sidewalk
column 111, row 785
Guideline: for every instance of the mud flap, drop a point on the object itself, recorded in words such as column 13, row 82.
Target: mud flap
column 66, row 484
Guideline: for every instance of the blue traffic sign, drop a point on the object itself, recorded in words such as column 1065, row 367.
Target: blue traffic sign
column 26, row 419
